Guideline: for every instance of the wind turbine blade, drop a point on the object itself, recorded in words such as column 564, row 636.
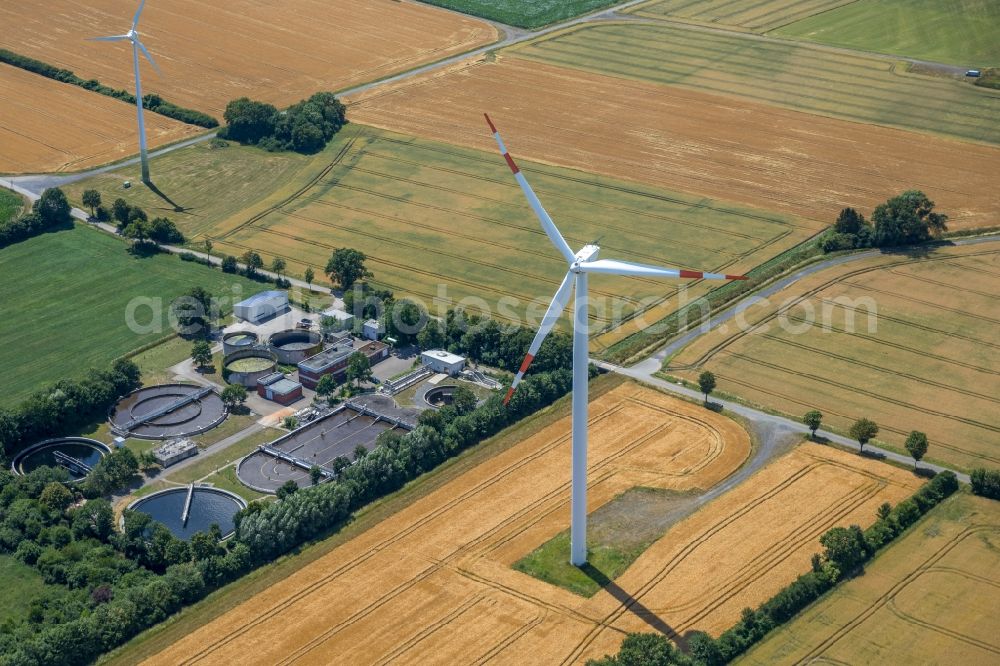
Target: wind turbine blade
column 142, row 48
column 113, row 38
column 135, row 20
column 615, row 267
column 547, row 224
column 556, row 307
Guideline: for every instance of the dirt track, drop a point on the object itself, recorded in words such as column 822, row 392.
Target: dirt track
column 279, row 52
column 51, row 126
column 713, row 145
column 433, row 584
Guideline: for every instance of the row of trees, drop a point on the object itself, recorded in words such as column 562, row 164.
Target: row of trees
column 845, row 551
column 907, row 219
column 152, row 102
column 50, row 212
column 986, row 482
column 864, row 430
column 305, row 127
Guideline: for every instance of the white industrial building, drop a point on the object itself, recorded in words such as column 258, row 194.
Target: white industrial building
column 441, row 361
column 345, row 320
column 372, row 330
column 262, row 306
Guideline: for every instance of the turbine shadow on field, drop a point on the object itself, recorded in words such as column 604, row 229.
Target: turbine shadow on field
column 173, row 204
column 632, row 604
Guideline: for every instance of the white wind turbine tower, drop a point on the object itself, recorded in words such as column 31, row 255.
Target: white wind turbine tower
column 133, row 36
column 581, row 264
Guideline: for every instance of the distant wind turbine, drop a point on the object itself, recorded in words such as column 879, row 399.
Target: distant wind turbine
column 581, row 264
column 133, row 36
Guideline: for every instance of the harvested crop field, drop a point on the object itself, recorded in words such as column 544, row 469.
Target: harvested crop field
column 429, row 214
column 753, row 15
column 931, row 598
column 279, row 52
column 798, row 76
column 712, row 145
column 434, row 582
column 52, row 126
column 926, row 361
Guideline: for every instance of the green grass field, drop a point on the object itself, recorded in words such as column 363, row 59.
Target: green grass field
column 22, row 584
column 860, row 88
column 208, row 184
column 929, row 598
column 960, row 32
column 11, row 205
column 65, row 296
column 524, row 13
column 751, row 15
column 429, row 214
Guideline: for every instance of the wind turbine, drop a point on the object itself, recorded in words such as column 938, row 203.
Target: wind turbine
column 581, row 264
column 133, row 36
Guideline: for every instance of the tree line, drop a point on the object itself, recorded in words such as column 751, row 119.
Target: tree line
column 152, row 102
column 305, row 127
column 845, row 551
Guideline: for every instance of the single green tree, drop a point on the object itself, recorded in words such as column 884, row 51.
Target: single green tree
column 290, row 423
column 706, row 382
column 884, row 510
column 53, row 207
column 346, row 266
column 359, row 369
column 863, row 430
column 253, row 263
column 315, row 474
column 906, row 219
column 208, row 251
column 463, row 400
column 56, row 497
column 278, row 266
column 326, row 385
column 360, row 451
column 229, row 264
column 91, row 199
column 287, row 489
column 916, row 445
column 813, row 420
column 234, row 395
column 201, row 353
column 309, row 277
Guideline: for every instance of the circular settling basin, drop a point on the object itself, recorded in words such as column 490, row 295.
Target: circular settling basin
column 167, row 411
column 238, row 340
column 208, row 506
column 250, row 364
column 75, row 454
column 439, row 396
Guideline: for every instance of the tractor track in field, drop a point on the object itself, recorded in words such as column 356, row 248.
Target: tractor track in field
column 890, row 594
column 848, row 417
column 946, row 285
column 554, row 194
column 901, row 347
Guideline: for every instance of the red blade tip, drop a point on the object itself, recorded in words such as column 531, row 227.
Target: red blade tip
column 490, row 123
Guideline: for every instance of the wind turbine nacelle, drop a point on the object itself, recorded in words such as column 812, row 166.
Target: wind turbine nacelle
column 588, row 253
